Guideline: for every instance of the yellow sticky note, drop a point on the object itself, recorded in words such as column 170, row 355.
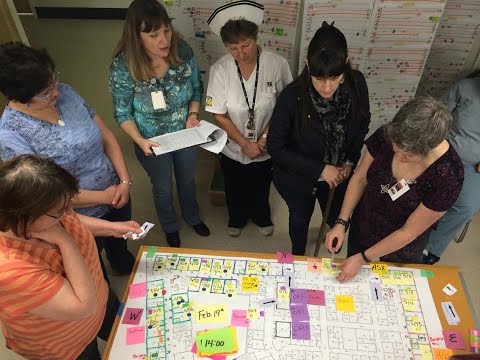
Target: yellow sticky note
column 210, row 314
column 206, row 266
column 217, row 286
column 217, row 267
column 252, row 267
column 328, row 268
column 426, row 352
column 344, row 303
column 415, row 325
column 409, row 294
column 206, row 285
column 228, row 267
column 380, row 269
column 230, row 288
column 442, row 354
column 283, row 293
column 194, row 264
column 249, row 284
column 407, row 278
column 409, row 305
column 194, row 284
column 182, row 264
column 253, row 314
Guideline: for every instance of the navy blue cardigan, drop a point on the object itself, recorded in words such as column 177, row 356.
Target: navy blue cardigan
column 297, row 153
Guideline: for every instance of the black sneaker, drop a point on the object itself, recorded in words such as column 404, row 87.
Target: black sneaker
column 428, row 258
column 201, row 229
column 173, row 239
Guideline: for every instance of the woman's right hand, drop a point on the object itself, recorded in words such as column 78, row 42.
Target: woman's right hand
column 332, row 176
column 338, row 231
column 146, row 146
column 251, row 149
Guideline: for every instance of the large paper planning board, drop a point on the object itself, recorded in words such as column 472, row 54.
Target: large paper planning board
column 388, row 313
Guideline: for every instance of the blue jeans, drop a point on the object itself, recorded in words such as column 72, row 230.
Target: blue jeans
column 462, row 210
column 301, row 205
column 159, row 169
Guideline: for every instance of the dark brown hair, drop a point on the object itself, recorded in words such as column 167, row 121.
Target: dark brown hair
column 144, row 16
column 235, row 31
column 31, row 186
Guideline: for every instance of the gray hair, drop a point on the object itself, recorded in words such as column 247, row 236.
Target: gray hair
column 420, row 125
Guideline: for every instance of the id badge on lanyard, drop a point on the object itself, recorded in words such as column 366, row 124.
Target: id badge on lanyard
column 398, row 189
column 250, row 131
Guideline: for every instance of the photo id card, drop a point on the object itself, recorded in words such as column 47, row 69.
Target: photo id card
column 251, row 135
column 158, row 100
column 398, row 189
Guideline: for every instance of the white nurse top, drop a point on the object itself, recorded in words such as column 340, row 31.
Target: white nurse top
column 225, row 95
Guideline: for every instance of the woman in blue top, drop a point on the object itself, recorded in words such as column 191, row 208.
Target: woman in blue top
column 156, row 89
column 46, row 118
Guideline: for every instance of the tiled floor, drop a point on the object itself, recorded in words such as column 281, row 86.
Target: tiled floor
column 82, row 50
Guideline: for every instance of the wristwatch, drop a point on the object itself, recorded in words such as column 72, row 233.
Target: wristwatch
column 264, row 136
column 349, row 163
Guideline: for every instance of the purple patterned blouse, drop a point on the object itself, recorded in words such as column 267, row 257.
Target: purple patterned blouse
column 377, row 216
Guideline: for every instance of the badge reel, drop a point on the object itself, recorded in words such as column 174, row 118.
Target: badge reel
column 250, row 128
column 398, row 189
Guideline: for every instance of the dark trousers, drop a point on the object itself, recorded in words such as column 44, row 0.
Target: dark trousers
column 301, row 205
column 247, row 189
column 91, row 351
column 116, row 249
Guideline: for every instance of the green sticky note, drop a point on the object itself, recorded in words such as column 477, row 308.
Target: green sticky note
column 279, row 31
column 217, row 341
column 435, row 19
column 426, row 273
column 168, row 3
column 151, row 251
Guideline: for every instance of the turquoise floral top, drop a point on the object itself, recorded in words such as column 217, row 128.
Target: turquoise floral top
column 132, row 99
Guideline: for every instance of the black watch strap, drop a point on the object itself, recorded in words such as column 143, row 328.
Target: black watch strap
column 343, row 222
column 365, row 258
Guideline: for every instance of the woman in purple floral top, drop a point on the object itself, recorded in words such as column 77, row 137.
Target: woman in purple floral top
column 406, row 181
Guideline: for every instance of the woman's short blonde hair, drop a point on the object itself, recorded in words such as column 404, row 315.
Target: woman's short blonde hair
column 144, row 16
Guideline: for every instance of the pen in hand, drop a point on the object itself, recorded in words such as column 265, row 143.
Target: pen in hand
column 334, row 245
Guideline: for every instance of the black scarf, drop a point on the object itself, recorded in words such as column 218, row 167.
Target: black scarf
column 333, row 116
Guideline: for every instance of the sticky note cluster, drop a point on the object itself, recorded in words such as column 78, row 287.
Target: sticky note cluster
column 219, row 342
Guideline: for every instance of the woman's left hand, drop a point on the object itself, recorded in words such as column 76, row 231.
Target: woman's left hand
column 121, row 196
column 350, row 267
column 345, row 170
column 192, row 121
column 262, row 145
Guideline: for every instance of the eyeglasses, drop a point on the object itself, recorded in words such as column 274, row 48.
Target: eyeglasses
column 59, row 217
column 47, row 93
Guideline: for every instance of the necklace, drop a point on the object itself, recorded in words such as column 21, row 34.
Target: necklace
column 384, row 187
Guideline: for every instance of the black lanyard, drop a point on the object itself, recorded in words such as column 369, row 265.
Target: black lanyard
column 251, row 110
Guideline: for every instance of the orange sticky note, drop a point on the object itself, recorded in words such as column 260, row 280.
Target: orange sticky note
column 442, row 354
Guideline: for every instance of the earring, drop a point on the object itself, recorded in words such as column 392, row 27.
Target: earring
column 343, row 79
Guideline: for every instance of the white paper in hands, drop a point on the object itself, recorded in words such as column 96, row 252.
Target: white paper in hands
column 206, row 135
column 134, row 236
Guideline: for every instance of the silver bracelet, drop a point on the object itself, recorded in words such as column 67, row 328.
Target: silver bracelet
column 128, row 182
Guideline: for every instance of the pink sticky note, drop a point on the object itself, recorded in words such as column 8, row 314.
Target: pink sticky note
column 132, row 316
column 284, row 257
column 239, row 318
column 453, row 339
column 316, row 297
column 135, row 335
column 137, row 290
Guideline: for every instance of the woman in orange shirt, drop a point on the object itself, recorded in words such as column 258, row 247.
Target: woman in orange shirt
column 54, row 301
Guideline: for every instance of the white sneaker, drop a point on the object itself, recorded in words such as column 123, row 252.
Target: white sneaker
column 233, row 231
column 266, row 230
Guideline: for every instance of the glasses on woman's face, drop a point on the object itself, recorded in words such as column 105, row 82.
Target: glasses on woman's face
column 47, row 93
column 60, row 217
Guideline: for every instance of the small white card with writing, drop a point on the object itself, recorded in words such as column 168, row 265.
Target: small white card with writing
column 158, row 100
column 398, row 189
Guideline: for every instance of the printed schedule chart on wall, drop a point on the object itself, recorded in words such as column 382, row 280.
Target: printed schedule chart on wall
column 200, row 304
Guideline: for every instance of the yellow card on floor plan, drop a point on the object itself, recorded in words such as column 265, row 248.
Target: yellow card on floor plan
column 380, row 269
column 250, row 284
column 344, row 303
column 210, row 314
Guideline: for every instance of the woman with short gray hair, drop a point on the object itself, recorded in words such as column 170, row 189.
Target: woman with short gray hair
column 408, row 178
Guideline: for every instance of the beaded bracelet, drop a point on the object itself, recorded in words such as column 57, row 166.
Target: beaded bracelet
column 128, row 182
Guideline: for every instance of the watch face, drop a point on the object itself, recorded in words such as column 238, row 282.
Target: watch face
column 264, row 136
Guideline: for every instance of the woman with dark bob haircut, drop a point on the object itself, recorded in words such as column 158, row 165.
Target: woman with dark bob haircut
column 54, row 301
column 48, row 118
column 408, row 178
column 317, row 132
column 156, row 89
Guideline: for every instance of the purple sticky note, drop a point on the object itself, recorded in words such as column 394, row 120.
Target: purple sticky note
column 239, row 318
column 284, row 257
column 301, row 330
column 132, row 316
column 135, row 335
column 316, row 297
column 299, row 312
column 137, row 290
column 453, row 339
column 298, row 296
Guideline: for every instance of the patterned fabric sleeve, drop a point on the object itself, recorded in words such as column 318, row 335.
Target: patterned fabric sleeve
column 444, row 188
column 68, row 91
column 121, row 87
column 376, row 142
column 12, row 145
column 24, row 286
column 195, row 80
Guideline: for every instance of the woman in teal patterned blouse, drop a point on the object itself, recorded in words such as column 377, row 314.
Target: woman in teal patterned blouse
column 156, row 89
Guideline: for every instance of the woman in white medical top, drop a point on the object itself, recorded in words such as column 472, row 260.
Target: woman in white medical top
column 242, row 92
